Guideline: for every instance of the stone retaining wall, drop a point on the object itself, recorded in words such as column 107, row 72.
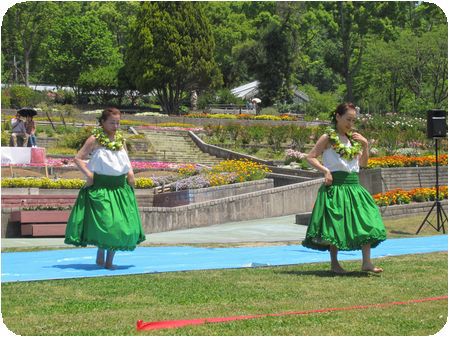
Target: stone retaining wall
column 386, row 211
column 223, row 153
column 285, row 200
column 380, row 180
column 185, row 197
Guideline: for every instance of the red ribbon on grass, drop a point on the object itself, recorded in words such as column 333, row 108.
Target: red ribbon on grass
column 170, row 324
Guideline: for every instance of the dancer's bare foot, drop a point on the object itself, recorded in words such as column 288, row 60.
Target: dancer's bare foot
column 100, row 261
column 110, row 266
column 109, row 260
column 337, row 269
column 371, row 268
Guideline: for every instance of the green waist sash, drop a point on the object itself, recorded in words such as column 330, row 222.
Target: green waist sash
column 111, row 182
column 343, row 177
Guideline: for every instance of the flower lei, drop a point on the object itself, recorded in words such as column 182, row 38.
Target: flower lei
column 347, row 153
column 104, row 140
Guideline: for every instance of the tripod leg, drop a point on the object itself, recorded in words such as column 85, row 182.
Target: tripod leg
column 442, row 217
column 426, row 218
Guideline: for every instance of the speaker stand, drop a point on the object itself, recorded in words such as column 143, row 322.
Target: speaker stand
column 441, row 216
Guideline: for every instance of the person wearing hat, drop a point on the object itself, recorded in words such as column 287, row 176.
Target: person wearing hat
column 18, row 129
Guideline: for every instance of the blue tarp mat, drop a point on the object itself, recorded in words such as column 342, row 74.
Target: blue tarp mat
column 76, row 263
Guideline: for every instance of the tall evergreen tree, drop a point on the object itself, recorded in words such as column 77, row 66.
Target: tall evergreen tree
column 172, row 52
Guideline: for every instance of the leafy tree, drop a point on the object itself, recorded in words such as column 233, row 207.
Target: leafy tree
column 230, row 28
column 172, row 52
column 352, row 23
column 408, row 74
column 100, row 81
column 79, row 45
column 273, row 58
column 118, row 15
column 23, row 29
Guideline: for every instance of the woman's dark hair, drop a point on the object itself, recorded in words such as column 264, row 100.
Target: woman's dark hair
column 341, row 110
column 107, row 113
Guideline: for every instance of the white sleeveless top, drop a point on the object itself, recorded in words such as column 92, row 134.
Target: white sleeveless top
column 108, row 162
column 334, row 162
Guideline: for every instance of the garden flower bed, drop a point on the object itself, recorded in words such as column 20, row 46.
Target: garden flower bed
column 226, row 172
column 61, row 183
column 400, row 196
column 175, row 127
column 68, row 162
column 283, row 117
column 406, row 161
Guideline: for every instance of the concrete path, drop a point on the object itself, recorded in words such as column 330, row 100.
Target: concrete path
column 276, row 229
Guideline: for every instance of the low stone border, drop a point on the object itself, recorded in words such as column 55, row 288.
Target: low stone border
column 280, row 201
column 387, row 211
column 190, row 196
column 38, row 191
column 380, row 180
column 223, row 153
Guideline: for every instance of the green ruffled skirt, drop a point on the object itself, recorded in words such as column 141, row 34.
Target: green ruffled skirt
column 105, row 215
column 344, row 215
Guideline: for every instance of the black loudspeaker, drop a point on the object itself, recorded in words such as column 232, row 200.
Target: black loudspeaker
column 436, row 123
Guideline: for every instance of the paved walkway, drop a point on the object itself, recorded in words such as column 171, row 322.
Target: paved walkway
column 276, row 229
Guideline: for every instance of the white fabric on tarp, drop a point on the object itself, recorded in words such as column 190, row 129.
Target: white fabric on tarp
column 16, row 155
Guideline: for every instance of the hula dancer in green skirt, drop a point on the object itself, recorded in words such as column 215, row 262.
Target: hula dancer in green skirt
column 105, row 213
column 345, row 216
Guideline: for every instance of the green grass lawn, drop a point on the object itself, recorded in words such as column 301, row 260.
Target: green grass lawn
column 112, row 305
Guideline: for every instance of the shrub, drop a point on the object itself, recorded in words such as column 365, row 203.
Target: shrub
column 325, row 102
column 22, row 96
column 6, row 99
column 277, row 135
column 257, row 133
column 75, row 140
column 294, row 108
column 5, row 138
column 269, row 111
column 64, row 96
column 299, row 136
column 233, row 131
column 183, row 110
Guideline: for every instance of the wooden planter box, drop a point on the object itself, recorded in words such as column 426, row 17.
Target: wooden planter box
column 41, row 223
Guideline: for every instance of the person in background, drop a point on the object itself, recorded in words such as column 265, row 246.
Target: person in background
column 18, row 129
column 30, row 127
